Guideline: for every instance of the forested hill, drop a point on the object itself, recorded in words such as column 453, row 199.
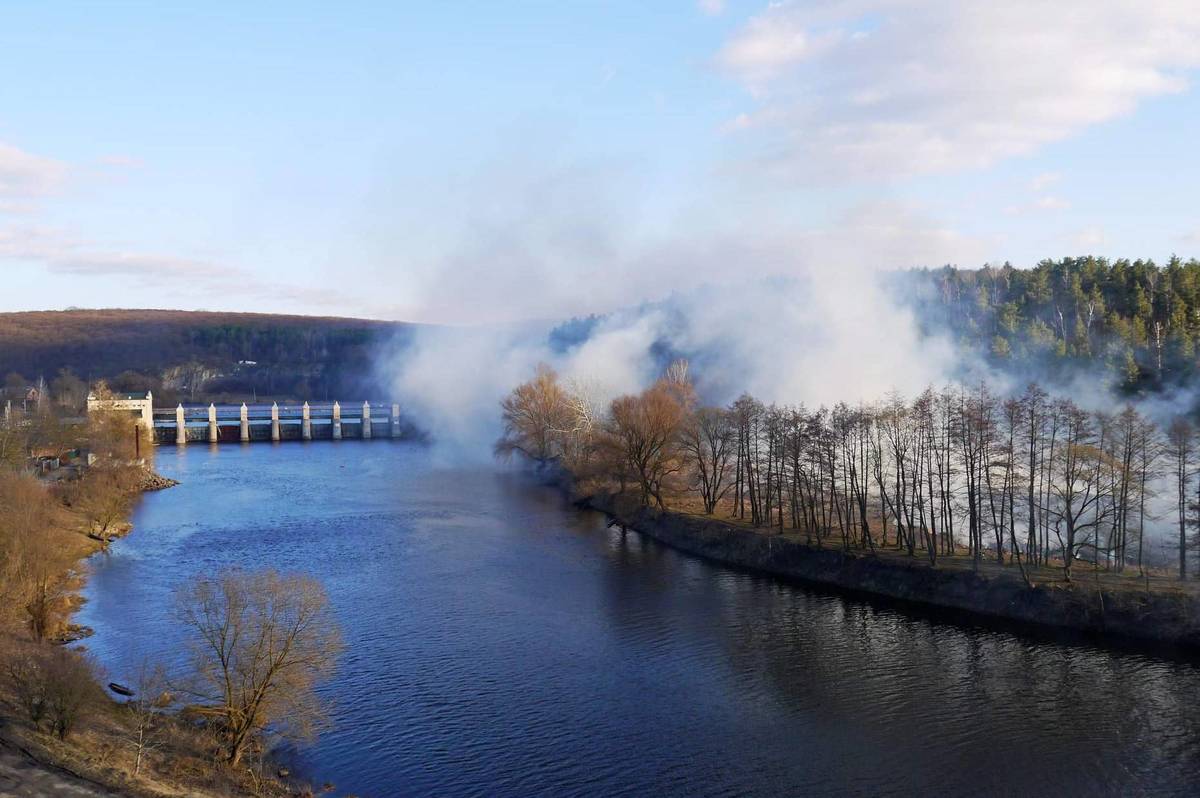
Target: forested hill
column 1135, row 321
column 196, row 355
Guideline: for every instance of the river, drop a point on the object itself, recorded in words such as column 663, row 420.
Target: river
column 500, row 642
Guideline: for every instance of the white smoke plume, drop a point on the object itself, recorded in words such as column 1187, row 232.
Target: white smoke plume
column 765, row 297
column 817, row 336
column 761, row 259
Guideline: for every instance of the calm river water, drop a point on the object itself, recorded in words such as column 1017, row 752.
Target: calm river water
column 501, row 643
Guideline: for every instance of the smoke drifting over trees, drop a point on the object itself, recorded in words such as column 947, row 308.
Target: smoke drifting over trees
column 830, row 337
column 819, row 338
column 1132, row 324
column 1082, row 327
column 1020, row 480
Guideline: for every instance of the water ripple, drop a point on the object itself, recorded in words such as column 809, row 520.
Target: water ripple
column 502, row 644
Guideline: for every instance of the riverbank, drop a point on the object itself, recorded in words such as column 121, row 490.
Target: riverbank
column 99, row 756
column 95, row 538
column 1160, row 617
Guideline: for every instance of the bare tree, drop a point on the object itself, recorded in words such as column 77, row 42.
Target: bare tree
column 1033, row 418
column 1025, row 471
column 147, row 722
column 46, row 597
column 1181, row 439
column 71, row 689
column 103, row 497
column 1078, row 489
column 33, row 555
column 111, row 434
column 69, row 391
column 1150, row 452
column 24, row 670
column 857, row 467
column 644, row 432
column 945, row 406
column 747, row 413
column 260, row 643
column 976, row 437
column 708, row 439
column 534, row 415
column 585, row 415
column 1011, row 410
column 54, row 686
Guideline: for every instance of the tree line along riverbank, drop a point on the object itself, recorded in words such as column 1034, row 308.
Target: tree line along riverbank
column 1023, row 508
column 64, row 726
column 1151, row 609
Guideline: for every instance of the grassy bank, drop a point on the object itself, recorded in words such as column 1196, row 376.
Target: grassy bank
column 62, row 731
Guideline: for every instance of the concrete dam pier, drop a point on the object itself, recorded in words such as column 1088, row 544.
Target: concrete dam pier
column 252, row 423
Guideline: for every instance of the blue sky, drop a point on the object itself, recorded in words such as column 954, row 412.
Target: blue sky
column 497, row 161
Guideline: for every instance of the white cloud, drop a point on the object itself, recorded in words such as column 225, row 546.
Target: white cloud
column 121, row 161
column 1044, row 201
column 1051, row 203
column 576, row 240
column 1090, row 237
column 769, row 44
column 25, row 179
column 23, row 174
column 1047, row 202
column 17, row 206
column 1043, row 181
column 712, row 8
column 58, row 252
column 864, row 88
column 737, row 306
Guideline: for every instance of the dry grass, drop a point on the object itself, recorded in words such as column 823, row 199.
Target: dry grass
column 100, row 750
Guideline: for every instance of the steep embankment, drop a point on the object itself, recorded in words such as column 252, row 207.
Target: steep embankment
column 1155, row 617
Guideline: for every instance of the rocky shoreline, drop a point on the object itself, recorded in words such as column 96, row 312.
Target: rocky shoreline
column 151, row 481
column 1154, row 619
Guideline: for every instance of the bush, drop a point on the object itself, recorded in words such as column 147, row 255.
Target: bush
column 25, row 674
column 55, row 687
column 71, row 690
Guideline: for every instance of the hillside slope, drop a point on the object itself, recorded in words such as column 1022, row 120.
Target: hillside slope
column 198, row 355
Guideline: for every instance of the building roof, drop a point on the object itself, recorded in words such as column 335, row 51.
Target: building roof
column 133, row 395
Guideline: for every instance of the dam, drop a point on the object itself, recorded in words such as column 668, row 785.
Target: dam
column 252, row 423
column 247, row 423
column 274, row 422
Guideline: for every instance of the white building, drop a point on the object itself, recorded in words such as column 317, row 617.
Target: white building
column 139, row 405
